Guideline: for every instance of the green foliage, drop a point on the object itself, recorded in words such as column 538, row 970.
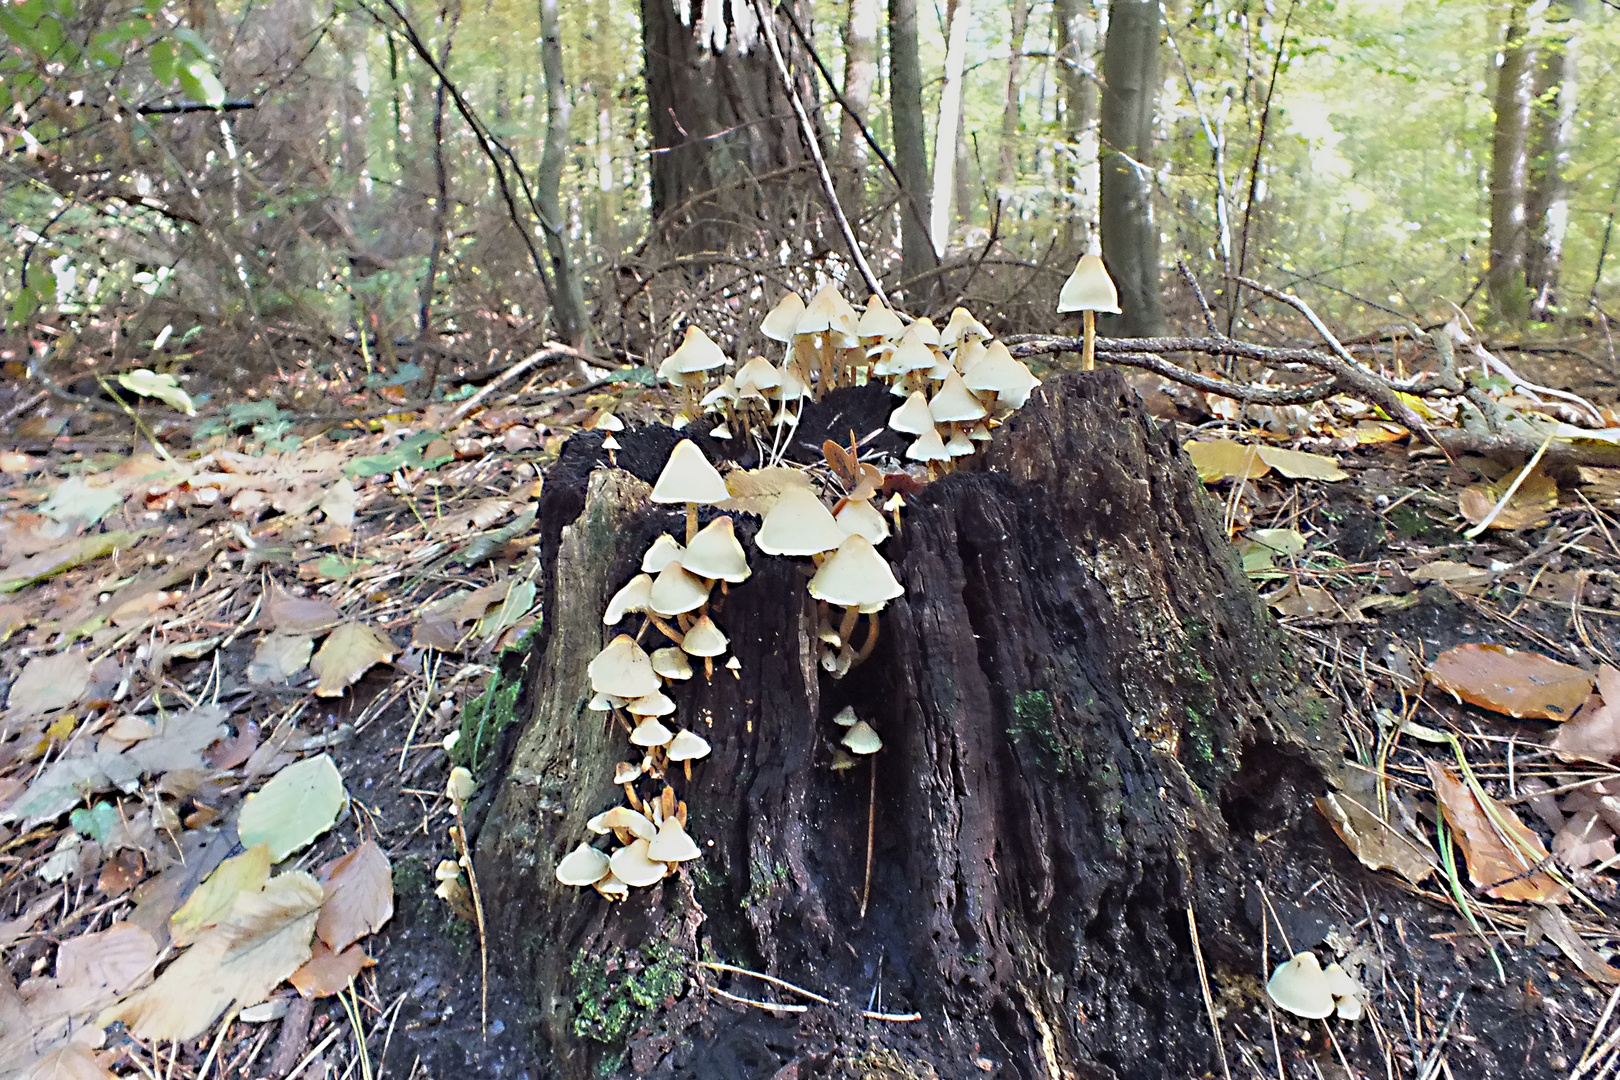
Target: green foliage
column 616, row 993
column 1034, row 717
column 486, row 716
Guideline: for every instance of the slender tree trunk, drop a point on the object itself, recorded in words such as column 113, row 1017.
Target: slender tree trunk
column 1554, row 93
column 1011, row 106
column 860, row 77
column 1080, row 182
column 726, row 147
column 1130, row 234
column 1505, row 280
column 910, row 151
column 604, row 53
column 947, row 131
column 567, row 294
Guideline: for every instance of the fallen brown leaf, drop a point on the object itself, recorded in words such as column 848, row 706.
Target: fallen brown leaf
column 1554, row 925
column 359, row 889
column 49, row 682
column 346, row 654
column 327, row 972
column 1535, row 499
column 1511, row 681
column 1502, row 869
column 1380, row 843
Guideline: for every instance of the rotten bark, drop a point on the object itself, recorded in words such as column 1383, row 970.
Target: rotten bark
column 1086, row 718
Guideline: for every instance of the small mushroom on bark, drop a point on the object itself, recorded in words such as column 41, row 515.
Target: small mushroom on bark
column 686, row 748
column 651, row 733
column 623, row 822
column 583, row 866
column 857, row 579
column 672, row 844
column 671, row 663
column 663, row 551
column 706, row 640
column 623, row 670
column 631, row 865
column 714, row 553
column 628, row 600
column 798, row 525
column 1301, row 987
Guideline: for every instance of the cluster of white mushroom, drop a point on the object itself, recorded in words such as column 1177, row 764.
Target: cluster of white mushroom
column 958, row 382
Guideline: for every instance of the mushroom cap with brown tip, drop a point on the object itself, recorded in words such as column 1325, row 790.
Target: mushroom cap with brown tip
column 653, row 704
column 626, row 772
column 663, row 550
column 911, row 353
column 671, row 663
column 927, row 331
column 827, row 310
column 714, row 553
column 689, row 478
column 783, row 318
column 632, row 598
column 861, row 739
column 1001, row 374
column 879, row 320
column 914, row 417
column 622, row 817
column 672, row 844
column 612, row 888
column 860, row 518
column 686, row 746
column 798, row 525
column 697, row 353
column 582, row 866
column 758, row 375
column 855, row 576
column 928, row 447
column 623, row 670
column 705, row 639
column 1089, row 288
column 650, row 732
column 962, row 324
column 631, row 866
column 1301, row 987
column 954, row 403
column 675, row 591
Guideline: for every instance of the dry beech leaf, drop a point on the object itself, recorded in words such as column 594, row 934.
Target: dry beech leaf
column 359, row 896
column 1218, row 459
column 1298, row 465
column 265, row 938
column 91, row 972
column 72, row 1061
column 299, row 615
column 339, row 502
column 1456, row 574
column 1583, row 840
column 348, row 653
column 298, row 804
column 1380, row 844
column 436, row 632
column 1554, row 925
column 326, row 972
column 755, row 491
column 50, row 682
column 1511, row 681
column 279, row 656
column 1530, row 506
column 1503, row 870
column 214, row 898
column 1594, row 733
column 1298, row 601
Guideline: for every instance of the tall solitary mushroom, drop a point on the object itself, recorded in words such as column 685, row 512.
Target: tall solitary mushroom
column 1089, row 290
column 857, row 579
column 689, row 478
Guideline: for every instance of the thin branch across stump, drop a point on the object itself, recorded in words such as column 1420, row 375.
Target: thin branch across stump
column 1086, row 718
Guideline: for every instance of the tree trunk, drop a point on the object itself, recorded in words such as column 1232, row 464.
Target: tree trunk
column 910, row 153
column 1080, row 183
column 726, row 146
column 1505, row 280
column 567, row 293
column 1087, row 722
column 948, row 130
column 1011, row 106
column 1552, row 130
column 860, row 77
column 1130, row 235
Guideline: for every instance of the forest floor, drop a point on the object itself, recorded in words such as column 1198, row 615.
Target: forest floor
column 198, row 613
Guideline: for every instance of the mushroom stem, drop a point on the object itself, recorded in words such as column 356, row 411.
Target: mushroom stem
column 687, row 764
column 871, row 823
column 846, row 626
column 630, row 796
column 1088, row 358
column 691, row 522
column 667, row 630
column 871, row 640
column 708, row 672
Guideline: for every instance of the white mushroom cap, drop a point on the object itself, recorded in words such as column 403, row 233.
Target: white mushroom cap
column 758, row 375
column 967, row 354
column 959, row 445
column 719, row 431
column 1346, row 990
column 914, row 417
column 697, row 353
column 631, row 866
column 671, row 663
column 672, row 844
column 622, row 817
column 911, row 354
column 653, row 704
column 664, row 550
column 980, row 432
column 962, row 324
column 927, row 331
column 726, row 391
column 845, row 717
column 1301, row 987
column 623, row 670
column 582, row 866
column 793, row 387
column 779, row 324
column 612, row 888
column 633, row 597
column 1089, row 288
column 798, row 525
column 651, row 733
column 714, row 553
column 861, row 739
column 953, row 403
column 606, row 421
column 686, row 746
column 860, row 518
column 689, row 478
column 676, row 591
column 928, row 447
column 705, row 639
column 1008, row 378
column 827, row 310
column 855, row 576
column 610, row 443
column 879, row 320
column 603, row 702
column 625, row 772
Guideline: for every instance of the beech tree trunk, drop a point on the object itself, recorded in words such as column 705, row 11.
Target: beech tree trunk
column 726, row 147
column 1130, row 235
column 1504, row 278
column 1086, row 720
column 860, row 77
column 1079, row 182
column 910, row 153
column 567, row 292
column 1012, row 104
column 947, row 132
column 1552, row 129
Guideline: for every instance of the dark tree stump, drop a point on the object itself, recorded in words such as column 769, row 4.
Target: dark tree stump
column 1086, row 718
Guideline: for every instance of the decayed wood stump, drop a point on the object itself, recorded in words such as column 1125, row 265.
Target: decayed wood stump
column 1086, row 719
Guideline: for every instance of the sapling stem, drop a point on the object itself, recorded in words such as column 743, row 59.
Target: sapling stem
column 871, row 824
column 1088, row 358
